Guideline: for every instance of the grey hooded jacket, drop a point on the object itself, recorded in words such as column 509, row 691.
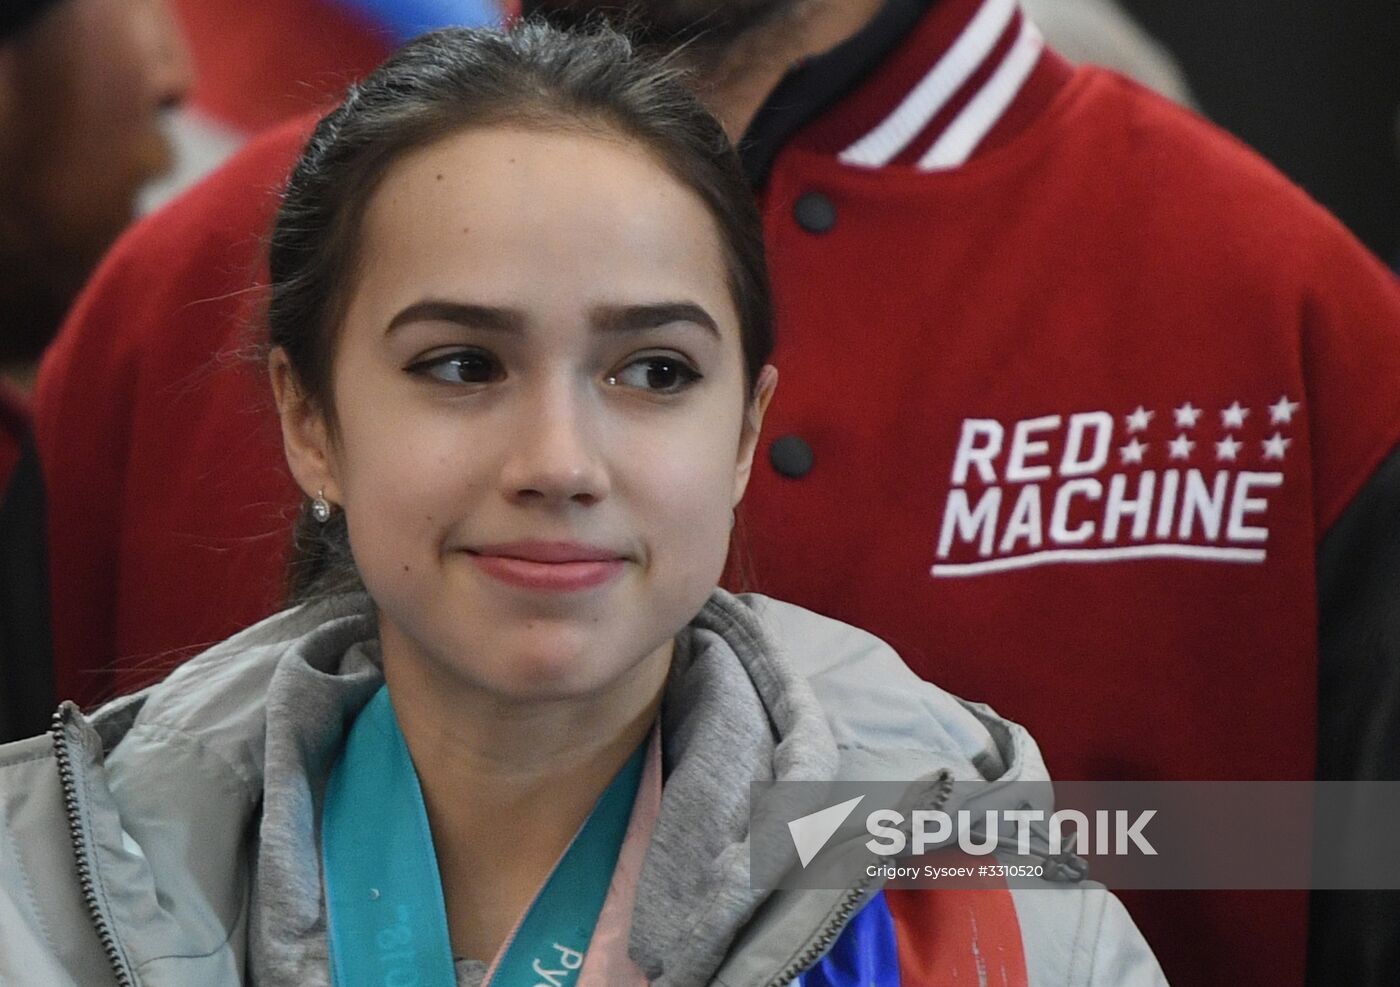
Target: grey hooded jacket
column 170, row 838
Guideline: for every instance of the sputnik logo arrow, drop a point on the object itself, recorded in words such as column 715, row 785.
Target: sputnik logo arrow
column 811, row 832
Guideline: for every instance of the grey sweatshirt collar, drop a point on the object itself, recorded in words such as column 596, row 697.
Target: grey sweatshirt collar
column 211, row 789
column 734, row 712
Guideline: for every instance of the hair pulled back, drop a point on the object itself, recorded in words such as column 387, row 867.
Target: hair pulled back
column 441, row 84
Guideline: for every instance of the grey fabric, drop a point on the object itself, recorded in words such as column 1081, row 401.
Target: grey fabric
column 198, row 803
column 735, row 712
column 729, row 720
column 311, row 704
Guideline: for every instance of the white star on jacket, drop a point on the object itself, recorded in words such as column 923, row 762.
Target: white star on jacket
column 1275, row 446
column 1187, row 415
column 1227, row 448
column 1281, row 413
column 1181, row 447
column 1139, row 420
column 1233, row 416
column 1132, row 452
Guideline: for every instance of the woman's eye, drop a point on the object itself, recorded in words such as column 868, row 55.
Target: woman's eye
column 460, row 367
column 658, row 374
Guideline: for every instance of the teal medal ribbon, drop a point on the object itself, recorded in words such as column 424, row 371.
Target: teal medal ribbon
column 386, row 917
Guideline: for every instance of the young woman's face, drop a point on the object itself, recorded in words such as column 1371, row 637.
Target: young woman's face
column 541, row 405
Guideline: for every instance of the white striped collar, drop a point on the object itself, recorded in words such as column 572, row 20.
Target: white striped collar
column 952, row 144
column 959, row 77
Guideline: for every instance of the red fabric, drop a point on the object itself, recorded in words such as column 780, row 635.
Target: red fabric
column 1117, row 254
column 259, row 63
column 168, row 495
column 968, row 90
column 1107, row 254
column 957, row 935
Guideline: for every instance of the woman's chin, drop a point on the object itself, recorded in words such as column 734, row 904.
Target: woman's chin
column 544, row 666
column 535, row 659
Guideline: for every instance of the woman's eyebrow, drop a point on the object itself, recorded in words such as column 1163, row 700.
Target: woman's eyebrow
column 633, row 318
column 462, row 313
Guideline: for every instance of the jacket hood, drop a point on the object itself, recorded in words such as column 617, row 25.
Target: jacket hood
column 228, row 756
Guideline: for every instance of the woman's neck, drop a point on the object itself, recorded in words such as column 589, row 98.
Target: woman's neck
column 508, row 784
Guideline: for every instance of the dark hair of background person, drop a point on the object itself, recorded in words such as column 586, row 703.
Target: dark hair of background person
column 83, row 87
column 708, row 29
column 16, row 15
column 441, row 84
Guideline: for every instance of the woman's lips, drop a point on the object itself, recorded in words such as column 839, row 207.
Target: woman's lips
column 548, row 566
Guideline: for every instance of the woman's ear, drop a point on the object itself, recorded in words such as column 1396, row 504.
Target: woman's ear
column 753, row 424
column 305, row 437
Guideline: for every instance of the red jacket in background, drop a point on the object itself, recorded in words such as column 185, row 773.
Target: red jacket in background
column 258, row 64
column 168, row 491
column 1084, row 408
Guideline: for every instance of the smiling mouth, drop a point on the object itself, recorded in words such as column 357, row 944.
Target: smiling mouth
column 549, row 567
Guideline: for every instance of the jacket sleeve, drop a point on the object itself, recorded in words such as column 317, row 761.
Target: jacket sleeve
column 1082, row 936
column 1355, row 935
column 1351, row 363
column 1117, row 951
column 46, row 936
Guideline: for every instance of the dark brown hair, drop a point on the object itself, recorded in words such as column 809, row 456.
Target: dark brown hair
column 441, row 84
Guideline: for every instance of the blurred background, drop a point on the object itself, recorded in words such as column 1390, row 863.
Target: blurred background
column 1312, row 84
column 258, row 62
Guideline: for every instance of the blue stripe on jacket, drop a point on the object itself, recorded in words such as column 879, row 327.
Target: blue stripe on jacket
column 410, row 18
column 865, row 954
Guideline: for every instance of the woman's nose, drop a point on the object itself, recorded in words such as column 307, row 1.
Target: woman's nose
column 555, row 455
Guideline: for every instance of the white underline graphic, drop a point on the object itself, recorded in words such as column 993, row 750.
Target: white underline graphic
column 1082, row 555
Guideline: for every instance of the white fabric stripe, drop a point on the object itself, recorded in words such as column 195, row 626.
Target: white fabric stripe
column 881, row 145
column 1205, row 552
column 981, row 114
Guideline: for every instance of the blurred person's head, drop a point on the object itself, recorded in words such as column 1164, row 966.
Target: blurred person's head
column 738, row 49
column 83, row 84
column 707, row 25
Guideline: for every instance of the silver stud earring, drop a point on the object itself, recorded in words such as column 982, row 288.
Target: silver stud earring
column 320, row 507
